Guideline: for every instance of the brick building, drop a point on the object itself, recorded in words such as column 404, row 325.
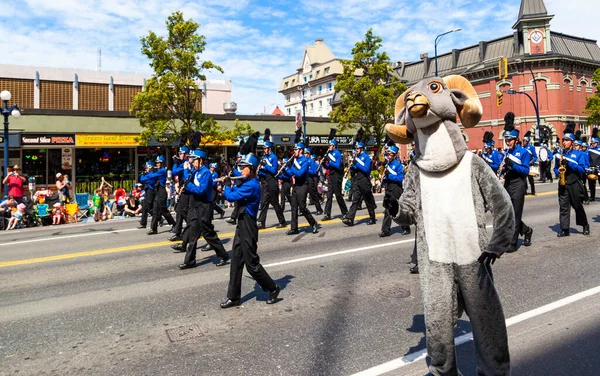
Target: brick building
column 560, row 65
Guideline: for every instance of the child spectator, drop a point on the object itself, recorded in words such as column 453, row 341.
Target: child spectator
column 97, row 204
column 58, row 214
column 16, row 218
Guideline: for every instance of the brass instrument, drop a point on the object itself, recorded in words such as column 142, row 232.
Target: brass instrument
column 501, row 171
column 562, row 170
column 592, row 173
column 223, row 178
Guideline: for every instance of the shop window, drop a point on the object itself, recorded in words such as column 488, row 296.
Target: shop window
column 116, row 165
column 34, row 164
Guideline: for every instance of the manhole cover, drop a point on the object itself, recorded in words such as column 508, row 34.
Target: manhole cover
column 183, row 333
column 394, row 292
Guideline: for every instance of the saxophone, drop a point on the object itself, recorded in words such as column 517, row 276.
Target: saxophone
column 562, row 170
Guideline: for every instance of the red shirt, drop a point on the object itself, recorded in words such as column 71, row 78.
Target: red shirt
column 15, row 186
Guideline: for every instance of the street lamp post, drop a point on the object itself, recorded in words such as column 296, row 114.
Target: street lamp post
column 304, row 119
column 437, row 39
column 14, row 111
column 537, row 109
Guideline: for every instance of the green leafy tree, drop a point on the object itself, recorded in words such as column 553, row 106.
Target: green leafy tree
column 592, row 107
column 171, row 102
column 369, row 90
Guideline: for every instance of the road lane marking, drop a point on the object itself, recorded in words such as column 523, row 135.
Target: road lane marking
column 68, row 236
column 418, row 355
column 129, row 247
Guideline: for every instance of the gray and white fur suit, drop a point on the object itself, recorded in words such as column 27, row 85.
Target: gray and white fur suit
column 446, row 192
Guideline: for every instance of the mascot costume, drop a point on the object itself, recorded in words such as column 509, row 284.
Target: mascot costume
column 445, row 196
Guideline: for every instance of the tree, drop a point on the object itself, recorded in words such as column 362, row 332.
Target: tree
column 368, row 90
column 171, row 103
column 592, row 106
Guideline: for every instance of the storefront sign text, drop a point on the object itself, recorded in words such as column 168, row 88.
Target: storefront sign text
column 60, row 139
column 324, row 140
column 107, row 140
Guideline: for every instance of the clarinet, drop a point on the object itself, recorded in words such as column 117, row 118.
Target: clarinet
column 189, row 179
column 501, row 173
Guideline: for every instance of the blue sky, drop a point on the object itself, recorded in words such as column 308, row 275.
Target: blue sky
column 259, row 42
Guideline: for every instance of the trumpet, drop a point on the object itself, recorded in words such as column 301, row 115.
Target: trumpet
column 223, row 178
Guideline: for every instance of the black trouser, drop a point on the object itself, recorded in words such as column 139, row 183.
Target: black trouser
column 181, row 210
column 531, row 183
column 313, row 184
column 592, row 184
column 148, row 205
column 516, row 188
column 270, row 195
column 585, row 195
column 393, row 190
column 200, row 223
column 245, row 244
column 286, row 193
column 299, row 193
column 215, row 199
column 570, row 196
column 159, row 209
column 334, row 187
column 363, row 191
column 548, row 171
column 543, row 170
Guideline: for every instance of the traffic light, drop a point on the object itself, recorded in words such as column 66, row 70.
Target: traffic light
column 499, row 96
column 503, row 68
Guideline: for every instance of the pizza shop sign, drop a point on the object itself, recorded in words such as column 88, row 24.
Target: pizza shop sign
column 55, row 139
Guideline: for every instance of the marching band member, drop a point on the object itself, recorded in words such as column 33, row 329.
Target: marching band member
column 335, row 165
column 245, row 242
column 313, row 180
column 490, row 155
column 516, row 171
column 200, row 210
column 286, row 184
column 216, row 187
column 236, row 171
column 149, row 192
column 594, row 153
column 362, row 184
column 393, row 178
column 182, row 203
column 584, row 178
column 545, row 157
column 299, row 170
column 269, row 184
column 533, row 158
column 569, row 167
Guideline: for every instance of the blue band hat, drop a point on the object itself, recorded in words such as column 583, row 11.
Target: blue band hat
column 527, row 136
column 149, row 164
column 585, row 145
column 509, row 126
column 299, row 145
column 199, row 153
column 184, row 149
column 249, row 160
column 595, row 137
column 569, row 131
column 332, row 140
column 307, row 150
column 213, row 165
column 393, row 149
column 391, row 146
column 160, row 159
column 360, row 144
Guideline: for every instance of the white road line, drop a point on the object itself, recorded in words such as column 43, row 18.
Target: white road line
column 68, row 236
column 413, row 357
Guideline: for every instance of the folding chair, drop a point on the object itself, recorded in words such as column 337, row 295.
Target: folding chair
column 72, row 212
column 83, row 202
column 43, row 215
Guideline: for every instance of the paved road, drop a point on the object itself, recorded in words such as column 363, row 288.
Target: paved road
column 106, row 299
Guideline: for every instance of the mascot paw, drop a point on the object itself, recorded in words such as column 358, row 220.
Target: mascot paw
column 487, row 258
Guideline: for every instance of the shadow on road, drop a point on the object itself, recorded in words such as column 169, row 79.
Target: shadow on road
column 418, row 326
column 261, row 295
